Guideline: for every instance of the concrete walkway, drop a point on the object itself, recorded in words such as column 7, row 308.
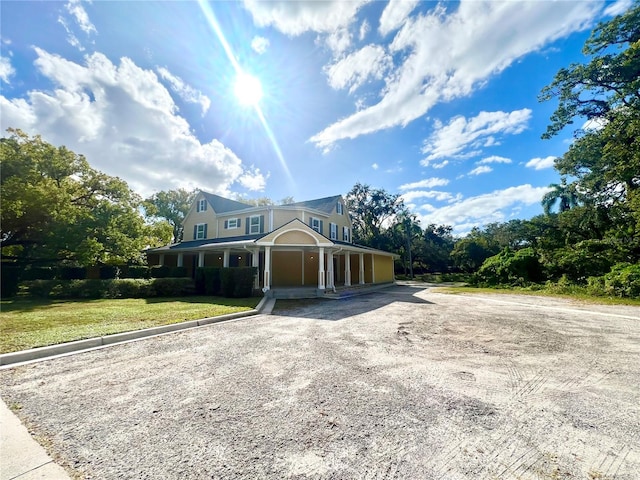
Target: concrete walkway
column 21, row 457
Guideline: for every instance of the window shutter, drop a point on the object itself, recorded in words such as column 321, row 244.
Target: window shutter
column 195, row 231
column 311, row 222
column 321, row 229
column 205, row 230
column 261, row 223
column 238, row 220
column 226, row 224
column 204, row 207
column 246, row 227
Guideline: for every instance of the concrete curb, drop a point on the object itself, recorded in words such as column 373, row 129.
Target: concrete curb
column 79, row 345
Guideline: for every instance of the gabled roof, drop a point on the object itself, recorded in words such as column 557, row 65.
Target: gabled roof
column 224, row 205
column 326, row 205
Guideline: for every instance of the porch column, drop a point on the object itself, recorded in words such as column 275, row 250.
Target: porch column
column 267, row 268
column 255, row 262
column 373, row 269
column 225, row 259
column 321, row 269
column 347, row 269
column 330, row 280
column 181, row 259
column 201, row 259
column 361, row 268
column 161, row 259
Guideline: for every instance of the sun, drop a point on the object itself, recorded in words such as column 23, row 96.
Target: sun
column 248, row 89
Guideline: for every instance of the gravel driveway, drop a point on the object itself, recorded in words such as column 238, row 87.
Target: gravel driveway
column 403, row 383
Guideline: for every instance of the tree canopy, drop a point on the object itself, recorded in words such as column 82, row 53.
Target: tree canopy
column 55, row 208
column 172, row 206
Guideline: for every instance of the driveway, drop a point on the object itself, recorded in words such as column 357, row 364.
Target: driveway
column 403, row 383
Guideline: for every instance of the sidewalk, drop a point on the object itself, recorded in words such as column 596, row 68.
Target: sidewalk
column 21, row 457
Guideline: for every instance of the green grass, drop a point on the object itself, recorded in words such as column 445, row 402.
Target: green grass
column 29, row 323
column 575, row 294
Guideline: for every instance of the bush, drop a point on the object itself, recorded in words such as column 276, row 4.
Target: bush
column 9, row 279
column 508, row 267
column 159, row 271
column 178, row 272
column 623, row 280
column 72, row 273
column 119, row 288
column 171, row 287
column 108, row 272
column 207, row 280
column 237, row 282
column 39, row 273
column 136, row 271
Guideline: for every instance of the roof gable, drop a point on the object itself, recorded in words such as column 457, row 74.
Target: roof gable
column 224, row 205
column 326, row 204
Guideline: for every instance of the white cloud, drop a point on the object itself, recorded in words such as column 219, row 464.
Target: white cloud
column 260, row 44
column 409, row 197
column 375, row 166
column 493, row 159
column 483, row 209
column 6, row 69
column 124, row 121
column 364, row 29
column 616, row 8
column 353, row 70
column 461, row 51
column 480, row 170
column 71, row 38
column 459, row 134
column 186, row 92
column 253, row 180
column 295, row 18
column 395, row 14
column 540, row 163
column 425, row 183
column 338, row 41
column 75, row 8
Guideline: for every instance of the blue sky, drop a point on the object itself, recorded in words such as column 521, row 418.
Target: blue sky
column 435, row 101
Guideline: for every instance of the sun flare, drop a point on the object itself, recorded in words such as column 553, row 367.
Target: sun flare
column 247, row 89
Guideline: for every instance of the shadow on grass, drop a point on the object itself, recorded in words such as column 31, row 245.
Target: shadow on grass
column 333, row 310
column 31, row 304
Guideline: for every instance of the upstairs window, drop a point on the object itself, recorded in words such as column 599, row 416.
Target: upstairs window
column 333, row 231
column 200, row 231
column 232, row 223
column 254, row 224
column 202, row 205
column 339, row 208
column 315, row 224
column 345, row 234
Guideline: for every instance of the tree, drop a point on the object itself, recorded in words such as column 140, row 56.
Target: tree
column 371, row 210
column 563, row 193
column 55, row 208
column 172, row 206
column 608, row 83
column 405, row 231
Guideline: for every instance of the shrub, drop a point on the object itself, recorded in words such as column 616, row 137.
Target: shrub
column 9, row 279
column 108, row 272
column 244, row 277
column 623, row 280
column 39, row 273
column 159, row 271
column 508, row 267
column 136, row 271
column 72, row 273
column 207, row 281
column 170, row 287
column 178, row 272
column 118, row 288
column 227, row 282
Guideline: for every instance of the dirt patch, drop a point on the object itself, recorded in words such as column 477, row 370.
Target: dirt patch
column 404, row 383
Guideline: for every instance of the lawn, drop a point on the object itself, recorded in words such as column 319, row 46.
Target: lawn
column 29, row 323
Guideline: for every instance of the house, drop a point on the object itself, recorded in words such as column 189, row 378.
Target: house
column 303, row 244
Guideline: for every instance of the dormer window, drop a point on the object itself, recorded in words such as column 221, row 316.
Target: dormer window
column 339, row 208
column 315, row 224
column 202, row 205
column 345, row 234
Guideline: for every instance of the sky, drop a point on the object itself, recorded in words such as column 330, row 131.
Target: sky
column 436, row 101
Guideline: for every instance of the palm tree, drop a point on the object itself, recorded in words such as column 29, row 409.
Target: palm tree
column 407, row 228
column 565, row 193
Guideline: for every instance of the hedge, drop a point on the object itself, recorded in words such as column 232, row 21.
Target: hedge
column 116, row 288
column 207, row 280
column 164, row 271
column 9, row 279
column 237, row 282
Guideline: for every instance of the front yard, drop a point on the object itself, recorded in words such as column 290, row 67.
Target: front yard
column 29, row 323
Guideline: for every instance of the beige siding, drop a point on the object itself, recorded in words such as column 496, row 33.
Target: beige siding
column 383, row 268
column 243, row 216
column 368, row 271
column 282, row 216
column 295, row 237
column 340, row 220
column 207, row 217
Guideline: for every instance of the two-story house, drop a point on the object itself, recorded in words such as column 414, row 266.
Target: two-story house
column 302, row 244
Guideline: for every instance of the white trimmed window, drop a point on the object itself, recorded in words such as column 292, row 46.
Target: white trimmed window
column 233, row 223
column 315, row 224
column 339, row 208
column 345, row 234
column 254, row 224
column 202, row 205
column 333, row 231
column 201, row 231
